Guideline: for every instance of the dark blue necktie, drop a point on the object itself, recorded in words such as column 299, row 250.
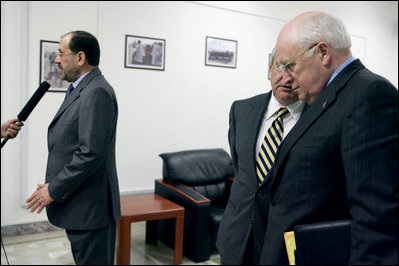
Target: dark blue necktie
column 70, row 89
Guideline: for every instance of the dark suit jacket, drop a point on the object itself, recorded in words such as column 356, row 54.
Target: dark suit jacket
column 245, row 120
column 340, row 161
column 81, row 166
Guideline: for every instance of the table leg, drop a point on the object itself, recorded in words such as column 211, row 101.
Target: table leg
column 151, row 232
column 179, row 239
column 123, row 243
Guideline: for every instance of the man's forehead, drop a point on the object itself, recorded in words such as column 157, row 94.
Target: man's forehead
column 287, row 41
column 64, row 42
column 286, row 52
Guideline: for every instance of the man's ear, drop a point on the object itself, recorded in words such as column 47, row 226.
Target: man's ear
column 81, row 58
column 325, row 52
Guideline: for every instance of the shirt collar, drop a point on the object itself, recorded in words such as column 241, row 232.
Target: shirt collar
column 295, row 109
column 339, row 69
column 76, row 83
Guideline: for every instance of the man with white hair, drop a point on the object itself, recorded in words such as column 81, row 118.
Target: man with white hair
column 339, row 162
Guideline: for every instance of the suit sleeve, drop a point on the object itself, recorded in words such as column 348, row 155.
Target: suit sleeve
column 232, row 137
column 96, row 122
column 370, row 157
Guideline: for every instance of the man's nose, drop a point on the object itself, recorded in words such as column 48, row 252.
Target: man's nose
column 287, row 77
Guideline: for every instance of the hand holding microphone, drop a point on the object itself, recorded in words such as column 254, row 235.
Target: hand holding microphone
column 11, row 128
column 23, row 115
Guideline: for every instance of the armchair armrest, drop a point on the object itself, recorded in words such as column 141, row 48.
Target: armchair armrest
column 181, row 191
column 197, row 212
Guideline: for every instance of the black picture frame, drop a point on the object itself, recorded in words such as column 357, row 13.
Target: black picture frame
column 220, row 52
column 49, row 70
column 144, row 52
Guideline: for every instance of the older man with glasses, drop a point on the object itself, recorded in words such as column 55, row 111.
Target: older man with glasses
column 257, row 127
column 339, row 162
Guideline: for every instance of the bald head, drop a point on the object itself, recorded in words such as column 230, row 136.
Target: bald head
column 314, row 26
column 311, row 47
column 290, row 32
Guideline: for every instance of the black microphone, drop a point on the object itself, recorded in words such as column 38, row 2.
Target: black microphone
column 30, row 105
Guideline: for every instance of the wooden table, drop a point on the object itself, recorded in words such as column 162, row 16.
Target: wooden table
column 147, row 207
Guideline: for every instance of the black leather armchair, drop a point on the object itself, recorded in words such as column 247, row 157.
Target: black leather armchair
column 198, row 180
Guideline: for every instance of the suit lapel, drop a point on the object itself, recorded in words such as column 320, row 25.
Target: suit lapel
column 322, row 103
column 75, row 93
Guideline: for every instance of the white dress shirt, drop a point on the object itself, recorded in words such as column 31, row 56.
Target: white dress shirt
column 289, row 120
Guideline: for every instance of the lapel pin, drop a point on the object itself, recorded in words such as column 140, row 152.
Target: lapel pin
column 324, row 104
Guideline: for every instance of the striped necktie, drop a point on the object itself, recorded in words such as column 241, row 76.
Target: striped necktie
column 270, row 144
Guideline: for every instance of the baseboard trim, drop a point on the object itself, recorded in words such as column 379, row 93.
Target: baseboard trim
column 28, row 228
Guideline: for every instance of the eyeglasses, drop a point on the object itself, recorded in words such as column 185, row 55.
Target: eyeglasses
column 289, row 66
column 61, row 54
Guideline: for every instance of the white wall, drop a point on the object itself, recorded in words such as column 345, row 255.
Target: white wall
column 184, row 107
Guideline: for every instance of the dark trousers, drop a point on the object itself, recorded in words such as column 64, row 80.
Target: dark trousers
column 93, row 247
column 250, row 257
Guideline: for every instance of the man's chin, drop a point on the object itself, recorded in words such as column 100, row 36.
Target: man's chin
column 306, row 97
column 287, row 94
column 63, row 77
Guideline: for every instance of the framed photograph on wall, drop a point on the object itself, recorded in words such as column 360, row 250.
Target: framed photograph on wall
column 49, row 70
column 220, row 52
column 144, row 52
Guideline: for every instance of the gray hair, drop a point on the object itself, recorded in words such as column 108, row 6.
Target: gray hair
column 272, row 55
column 323, row 27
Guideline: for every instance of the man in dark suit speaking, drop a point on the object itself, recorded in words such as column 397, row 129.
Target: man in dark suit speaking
column 340, row 161
column 81, row 192
column 250, row 121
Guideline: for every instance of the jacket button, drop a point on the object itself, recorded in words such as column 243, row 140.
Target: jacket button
column 259, row 194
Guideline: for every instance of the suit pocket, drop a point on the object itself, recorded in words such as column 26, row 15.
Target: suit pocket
column 70, row 123
column 240, row 195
